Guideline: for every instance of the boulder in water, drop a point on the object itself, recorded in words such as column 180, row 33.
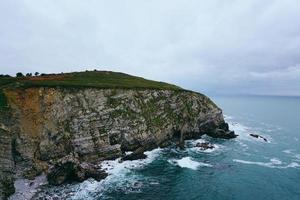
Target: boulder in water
column 205, row 145
column 258, row 136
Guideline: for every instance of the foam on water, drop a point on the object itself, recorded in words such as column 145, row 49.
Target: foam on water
column 291, row 152
column 273, row 163
column 187, row 162
column 117, row 177
column 244, row 131
column 116, row 167
column 227, row 117
column 193, row 143
column 288, row 151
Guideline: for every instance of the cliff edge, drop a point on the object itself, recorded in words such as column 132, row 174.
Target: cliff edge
column 64, row 126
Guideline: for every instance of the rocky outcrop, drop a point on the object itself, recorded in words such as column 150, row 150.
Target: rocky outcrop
column 6, row 156
column 258, row 136
column 69, row 168
column 204, row 145
column 46, row 125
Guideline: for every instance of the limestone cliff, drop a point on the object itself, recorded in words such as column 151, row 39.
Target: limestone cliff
column 45, row 125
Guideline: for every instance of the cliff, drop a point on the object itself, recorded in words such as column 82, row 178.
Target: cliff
column 63, row 131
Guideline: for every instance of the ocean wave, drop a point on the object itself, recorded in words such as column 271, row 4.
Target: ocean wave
column 115, row 167
column 244, row 131
column 118, row 177
column 273, row 163
column 187, row 162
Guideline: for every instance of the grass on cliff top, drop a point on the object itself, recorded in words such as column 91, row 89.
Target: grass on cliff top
column 97, row 79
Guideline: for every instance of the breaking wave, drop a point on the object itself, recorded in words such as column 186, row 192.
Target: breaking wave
column 187, row 162
column 244, row 131
column 193, row 143
column 273, row 163
column 118, row 176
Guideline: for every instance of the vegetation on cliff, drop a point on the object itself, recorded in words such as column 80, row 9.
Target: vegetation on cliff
column 91, row 79
column 98, row 79
column 3, row 102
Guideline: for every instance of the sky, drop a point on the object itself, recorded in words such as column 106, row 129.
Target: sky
column 214, row 47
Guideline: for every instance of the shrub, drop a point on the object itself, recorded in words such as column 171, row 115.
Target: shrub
column 19, row 74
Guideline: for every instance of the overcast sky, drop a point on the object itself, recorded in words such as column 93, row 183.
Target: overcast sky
column 215, row 46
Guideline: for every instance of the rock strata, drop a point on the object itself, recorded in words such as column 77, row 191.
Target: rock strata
column 64, row 132
column 69, row 169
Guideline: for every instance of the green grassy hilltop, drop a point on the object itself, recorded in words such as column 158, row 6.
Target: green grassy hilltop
column 98, row 79
column 95, row 79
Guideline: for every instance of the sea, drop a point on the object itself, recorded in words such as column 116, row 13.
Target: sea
column 244, row 168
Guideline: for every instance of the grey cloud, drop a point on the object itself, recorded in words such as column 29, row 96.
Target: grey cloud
column 248, row 46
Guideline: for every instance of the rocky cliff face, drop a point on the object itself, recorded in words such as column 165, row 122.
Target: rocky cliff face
column 46, row 125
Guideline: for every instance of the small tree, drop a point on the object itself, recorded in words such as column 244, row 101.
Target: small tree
column 29, row 74
column 36, row 73
column 19, row 74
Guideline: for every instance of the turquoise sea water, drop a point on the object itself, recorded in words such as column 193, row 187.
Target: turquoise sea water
column 244, row 168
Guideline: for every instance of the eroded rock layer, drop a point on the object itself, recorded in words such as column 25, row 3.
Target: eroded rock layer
column 44, row 125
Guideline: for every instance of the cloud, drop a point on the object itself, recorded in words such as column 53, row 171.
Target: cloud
column 211, row 46
column 289, row 73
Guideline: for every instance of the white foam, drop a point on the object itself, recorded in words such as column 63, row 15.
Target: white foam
column 187, row 162
column 244, row 131
column 274, row 163
column 293, row 165
column 293, row 154
column 86, row 188
column 240, row 129
column 227, row 117
column 128, row 152
column 117, row 167
column 193, row 143
column 288, row 151
column 198, row 149
column 117, row 171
